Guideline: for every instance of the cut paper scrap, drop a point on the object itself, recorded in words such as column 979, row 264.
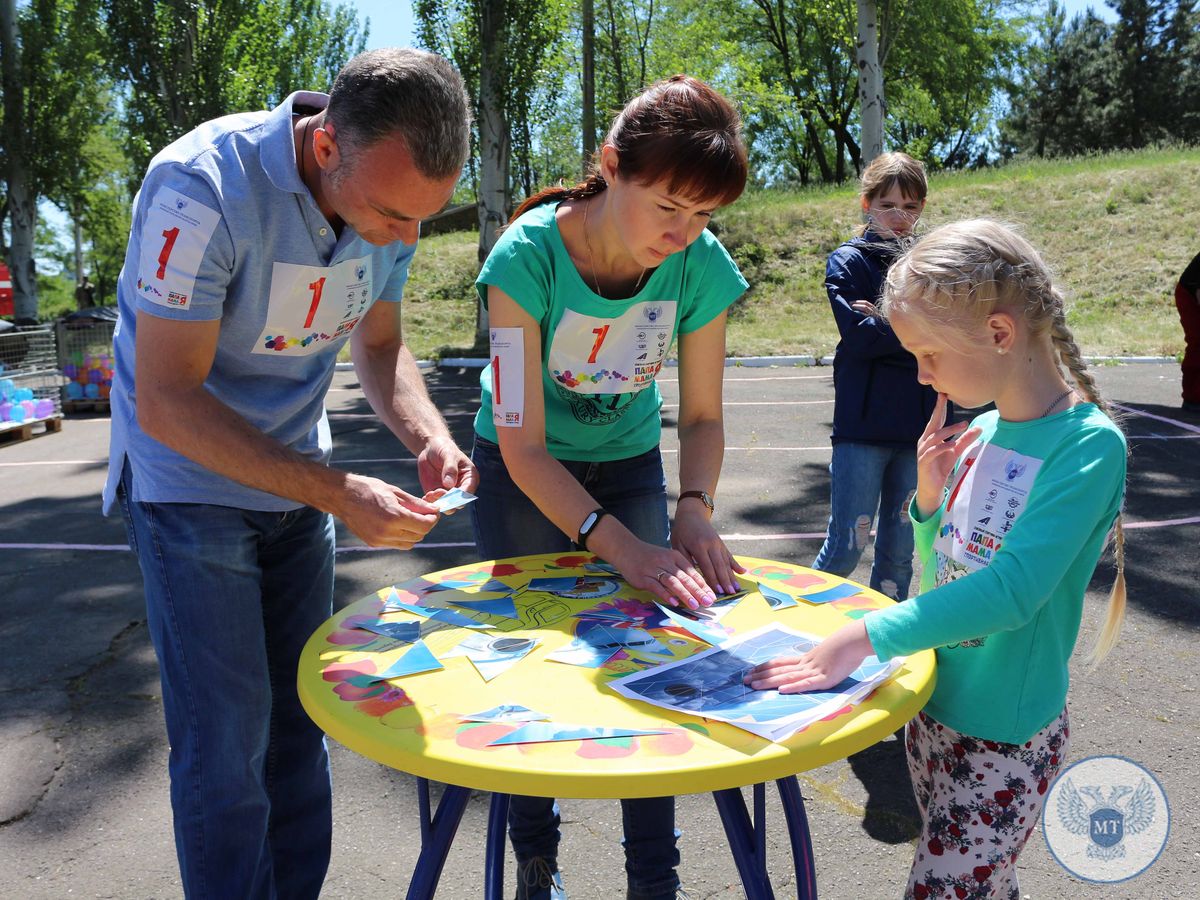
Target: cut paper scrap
column 603, row 568
column 492, row 606
column 837, row 592
column 596, row 642
column 493, row 654
column 579, row 587
column 405, row 632
column 506, row 712
column 776, row 599
column 709, row 632
column 494, row 585
column 379, row 645
column 547, row 732
column 447, row 616
column 419, row 658
column 453, row 499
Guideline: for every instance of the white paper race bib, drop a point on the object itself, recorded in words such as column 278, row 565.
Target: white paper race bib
column 508, row 377
column 310, row 306
column 174, row 238
column 589, row 355
column 987, row 495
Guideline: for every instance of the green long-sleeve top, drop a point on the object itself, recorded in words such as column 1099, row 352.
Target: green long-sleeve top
column 1006, row 560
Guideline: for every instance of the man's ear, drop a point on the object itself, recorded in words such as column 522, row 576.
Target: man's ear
column 325, row 147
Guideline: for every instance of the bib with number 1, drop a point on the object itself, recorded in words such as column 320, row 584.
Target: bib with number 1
column 310, row 306
column 591, row 355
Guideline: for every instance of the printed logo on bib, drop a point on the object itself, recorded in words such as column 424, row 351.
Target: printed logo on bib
column 590, row 355
column 174, row 238
column 310, row 306
column 987, row 495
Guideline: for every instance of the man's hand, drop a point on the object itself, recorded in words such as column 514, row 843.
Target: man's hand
column 443, row 465
column 382, row 515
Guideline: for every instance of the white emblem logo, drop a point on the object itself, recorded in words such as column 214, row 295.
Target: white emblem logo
column 1106, row 819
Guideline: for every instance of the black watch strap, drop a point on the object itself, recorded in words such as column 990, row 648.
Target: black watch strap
column 590, row 521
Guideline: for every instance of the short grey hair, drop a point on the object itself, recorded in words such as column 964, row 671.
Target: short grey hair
column 418, row 95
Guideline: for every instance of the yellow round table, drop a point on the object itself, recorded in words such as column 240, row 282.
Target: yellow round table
column 415, row 723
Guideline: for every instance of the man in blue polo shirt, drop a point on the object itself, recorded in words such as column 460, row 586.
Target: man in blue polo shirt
column 260, row 244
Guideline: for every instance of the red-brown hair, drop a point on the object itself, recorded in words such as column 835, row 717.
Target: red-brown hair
column 679, row 131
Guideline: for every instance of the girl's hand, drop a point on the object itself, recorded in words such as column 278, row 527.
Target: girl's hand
column 667, row 574
column 938, row 449
column 694, row 536
column 823, row 667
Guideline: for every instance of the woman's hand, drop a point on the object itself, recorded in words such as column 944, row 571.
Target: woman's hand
column 694, row 536
column 938, row 449
column 667, row 574
column 821, row 668
column 866, row 307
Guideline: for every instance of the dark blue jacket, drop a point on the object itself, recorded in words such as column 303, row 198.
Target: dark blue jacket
column 877, row 399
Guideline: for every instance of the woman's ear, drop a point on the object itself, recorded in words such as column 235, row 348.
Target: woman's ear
column 1001, row 331
column 609, row 162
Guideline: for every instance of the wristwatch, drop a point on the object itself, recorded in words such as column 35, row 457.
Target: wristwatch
column 589, row 525
column 704, row 497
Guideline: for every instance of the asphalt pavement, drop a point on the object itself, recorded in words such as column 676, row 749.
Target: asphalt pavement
column 84, row 810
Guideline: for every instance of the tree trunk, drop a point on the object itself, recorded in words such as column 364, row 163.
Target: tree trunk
column 589, row 85
column 870, row 82
column 22, row 201
column 77, row 231
column 493, row 136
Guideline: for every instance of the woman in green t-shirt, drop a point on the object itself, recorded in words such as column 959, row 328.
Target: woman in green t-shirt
column 586, row 291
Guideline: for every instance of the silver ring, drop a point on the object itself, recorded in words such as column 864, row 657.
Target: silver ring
column 661, row 573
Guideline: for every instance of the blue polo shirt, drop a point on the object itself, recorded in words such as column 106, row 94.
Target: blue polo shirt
column 223, row 228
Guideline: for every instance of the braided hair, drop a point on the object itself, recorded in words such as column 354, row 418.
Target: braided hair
column 960, row 274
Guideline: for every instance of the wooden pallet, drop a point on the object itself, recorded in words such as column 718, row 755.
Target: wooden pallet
column 12, row 432
column 86, row 405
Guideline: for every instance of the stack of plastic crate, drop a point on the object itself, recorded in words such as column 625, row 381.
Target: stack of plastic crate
column 85, row 358
column 29, row 383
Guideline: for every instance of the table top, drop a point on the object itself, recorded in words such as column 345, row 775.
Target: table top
column 414, row 723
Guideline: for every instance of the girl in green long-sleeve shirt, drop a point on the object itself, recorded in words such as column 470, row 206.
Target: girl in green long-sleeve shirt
column 1010, row 516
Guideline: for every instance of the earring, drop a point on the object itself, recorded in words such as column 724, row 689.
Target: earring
column 1000, row 350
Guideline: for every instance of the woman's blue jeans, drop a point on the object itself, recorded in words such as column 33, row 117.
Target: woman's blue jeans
column 507, row 523
column 865, row 478
column 232, row 596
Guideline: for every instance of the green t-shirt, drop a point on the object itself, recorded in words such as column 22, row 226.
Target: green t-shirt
column 599, row 356
column 1007, row 559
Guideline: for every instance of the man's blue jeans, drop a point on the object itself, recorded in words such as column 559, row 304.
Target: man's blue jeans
column 865, row 478
column 231, row 596
column 507, row 523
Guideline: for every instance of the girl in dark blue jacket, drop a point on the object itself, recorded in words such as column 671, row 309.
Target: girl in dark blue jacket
column 880, row 409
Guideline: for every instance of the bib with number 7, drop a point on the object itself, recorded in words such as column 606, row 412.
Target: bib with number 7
column 590, row 355
column 310, row 306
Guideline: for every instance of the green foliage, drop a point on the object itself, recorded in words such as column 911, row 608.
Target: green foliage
column 1089, row 85
column 187, row 61
column 1117, row 268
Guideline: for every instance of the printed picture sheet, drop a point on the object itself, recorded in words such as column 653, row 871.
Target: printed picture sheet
column 709, row 684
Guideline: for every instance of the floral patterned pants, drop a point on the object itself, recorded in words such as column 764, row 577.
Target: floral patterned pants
column 980, row 800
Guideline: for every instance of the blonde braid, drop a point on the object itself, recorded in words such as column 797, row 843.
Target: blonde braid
column 1068, row 352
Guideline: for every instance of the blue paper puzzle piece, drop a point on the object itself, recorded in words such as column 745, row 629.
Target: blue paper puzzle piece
column 416, row 660
column 776, row 599
column 449, row 616
column 546, row 732
column 498, row 606
column 400, row 631
column 837, row 592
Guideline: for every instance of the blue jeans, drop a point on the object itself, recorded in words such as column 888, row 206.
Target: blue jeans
column 507, row 523
column 232, row 595
column 864, row 479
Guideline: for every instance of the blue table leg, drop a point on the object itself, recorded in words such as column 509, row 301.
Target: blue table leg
column 497, row 845
column 748, row 839
column 801, row 837
column 437, row 833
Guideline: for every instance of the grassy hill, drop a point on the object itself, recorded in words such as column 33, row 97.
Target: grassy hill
column 1118, row 229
